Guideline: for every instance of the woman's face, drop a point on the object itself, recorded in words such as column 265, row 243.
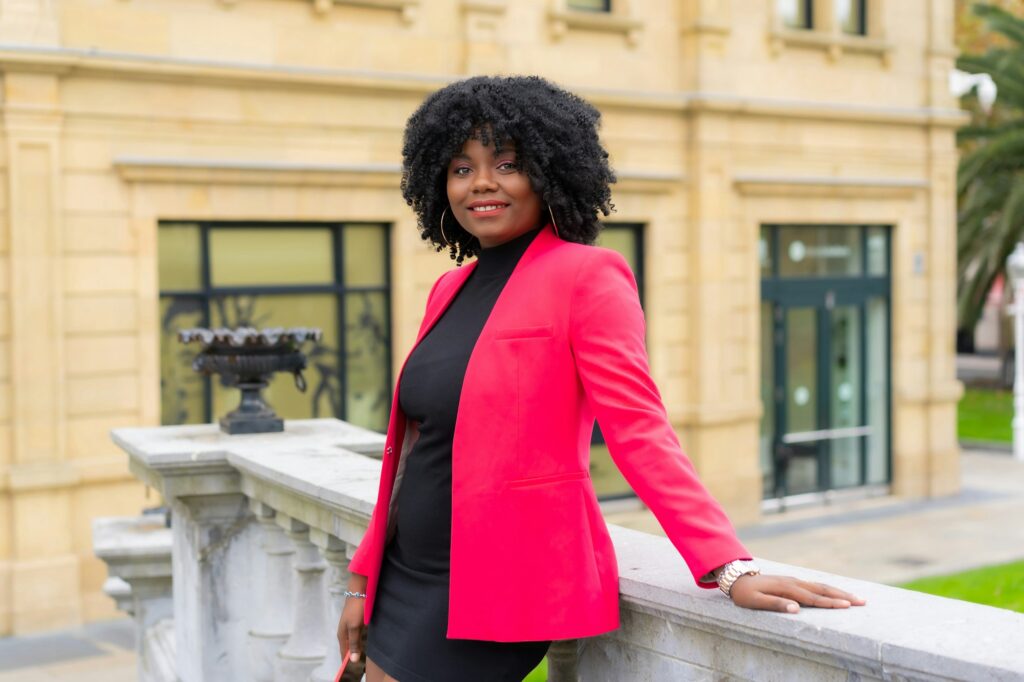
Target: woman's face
column 490, row 196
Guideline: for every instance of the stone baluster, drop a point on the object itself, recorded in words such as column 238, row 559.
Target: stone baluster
column 272, row 622
column 305, row 649
column 333, row 551
column 563, row 661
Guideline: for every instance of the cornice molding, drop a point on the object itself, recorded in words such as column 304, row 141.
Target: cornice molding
column 141, row 169
column 72, row 62
column 778, row 185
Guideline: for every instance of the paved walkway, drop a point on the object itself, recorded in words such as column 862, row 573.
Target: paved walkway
column 98, row 652
column 891, row 540
column 884, row 539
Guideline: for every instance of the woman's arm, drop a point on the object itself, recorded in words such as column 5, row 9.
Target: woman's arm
column 607, row 333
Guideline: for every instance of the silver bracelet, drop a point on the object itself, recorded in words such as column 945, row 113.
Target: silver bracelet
column 361, row 595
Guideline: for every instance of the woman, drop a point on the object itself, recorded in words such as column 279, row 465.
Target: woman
column 487, row 542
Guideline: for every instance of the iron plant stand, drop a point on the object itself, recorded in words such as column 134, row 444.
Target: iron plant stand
column 247, row 358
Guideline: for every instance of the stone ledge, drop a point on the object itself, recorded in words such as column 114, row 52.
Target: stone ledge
column 897, row 632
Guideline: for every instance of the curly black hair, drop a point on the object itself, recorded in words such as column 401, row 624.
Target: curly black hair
column 554, row 133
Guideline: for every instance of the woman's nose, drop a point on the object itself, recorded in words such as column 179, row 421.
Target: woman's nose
column 483, row 181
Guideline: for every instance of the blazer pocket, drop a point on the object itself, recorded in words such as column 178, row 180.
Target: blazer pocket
column 543, row 331
column 550, row 478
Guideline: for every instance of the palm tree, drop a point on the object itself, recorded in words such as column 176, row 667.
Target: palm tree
column 990, row 182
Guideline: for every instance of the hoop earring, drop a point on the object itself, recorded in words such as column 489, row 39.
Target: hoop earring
column 553, row 223
column 455, row 248
column 442, row 228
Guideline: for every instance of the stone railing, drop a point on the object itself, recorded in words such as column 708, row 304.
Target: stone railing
column 263, row 528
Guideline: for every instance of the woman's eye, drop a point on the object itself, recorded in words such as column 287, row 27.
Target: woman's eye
column 508, row 165
column 461, row 170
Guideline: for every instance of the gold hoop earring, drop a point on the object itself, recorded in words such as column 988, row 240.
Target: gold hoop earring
column 456, row 248
column 553, row 223
column 442, row 228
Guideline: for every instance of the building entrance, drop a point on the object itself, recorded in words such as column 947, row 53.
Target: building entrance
column 825, row 360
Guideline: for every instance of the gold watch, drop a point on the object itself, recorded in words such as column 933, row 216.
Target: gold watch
column 732, row 571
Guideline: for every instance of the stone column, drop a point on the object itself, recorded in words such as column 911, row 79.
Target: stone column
column 563, row 661
column 272, row 623
column 137, row 551
column 212, row 594
column 304, row 650
column 334, row 552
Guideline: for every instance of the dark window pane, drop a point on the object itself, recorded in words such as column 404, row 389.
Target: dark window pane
column 178, row 261
column 624, row 240
column 877, row 388
column 850, row 15
column 608, row 481
column 269, row 256
column 181, row 389
column 591, row 5
column 365, row 255
column 794, row 13
column 764, row 252
column 878, row 251
column 367, row 340
column 819, row 251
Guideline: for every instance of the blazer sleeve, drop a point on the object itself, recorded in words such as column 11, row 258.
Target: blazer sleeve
column 607, row 334
column 360, row 558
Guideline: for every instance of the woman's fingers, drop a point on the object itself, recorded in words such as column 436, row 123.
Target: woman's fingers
column 355, row 638
column 786, row 594
column 770, row 602
column 342, row 637
column 810, row 597
column 835, row 593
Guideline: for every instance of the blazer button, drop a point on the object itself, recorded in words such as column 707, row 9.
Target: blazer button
column 389, row 450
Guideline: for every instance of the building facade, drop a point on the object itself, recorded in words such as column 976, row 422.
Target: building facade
column 786, row 197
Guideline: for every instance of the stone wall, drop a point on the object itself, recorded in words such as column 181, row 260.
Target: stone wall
column 118, row 114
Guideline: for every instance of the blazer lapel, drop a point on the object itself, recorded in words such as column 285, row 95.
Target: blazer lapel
column 544, row 240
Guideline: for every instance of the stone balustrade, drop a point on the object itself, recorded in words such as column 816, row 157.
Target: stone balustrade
column 263, row 527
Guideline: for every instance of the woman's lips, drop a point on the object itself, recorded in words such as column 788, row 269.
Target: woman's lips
column 486, row 210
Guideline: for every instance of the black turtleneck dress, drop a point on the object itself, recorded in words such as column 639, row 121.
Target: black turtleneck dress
column 407, row 632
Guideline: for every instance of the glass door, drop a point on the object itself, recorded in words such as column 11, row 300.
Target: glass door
column 824, row 360
column 820, row 399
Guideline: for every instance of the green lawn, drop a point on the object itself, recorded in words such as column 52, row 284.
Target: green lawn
column 985, row 415
column 1001, row 585
column 539, row 674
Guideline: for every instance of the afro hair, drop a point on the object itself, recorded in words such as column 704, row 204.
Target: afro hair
column 553, row 131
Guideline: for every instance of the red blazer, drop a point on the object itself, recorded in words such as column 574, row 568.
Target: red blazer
column 531, row 558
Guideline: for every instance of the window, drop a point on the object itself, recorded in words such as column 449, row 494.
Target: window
column 850, row 15
column 796, row 13
column 627, row 239
column 331, row 276
column 591, row 5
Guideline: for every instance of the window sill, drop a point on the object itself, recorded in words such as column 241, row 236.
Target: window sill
column 834, row 44
column 563, row 20
column 407, row 8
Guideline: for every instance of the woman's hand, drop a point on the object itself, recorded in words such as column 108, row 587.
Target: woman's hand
column 782, row 593
column 350, row 624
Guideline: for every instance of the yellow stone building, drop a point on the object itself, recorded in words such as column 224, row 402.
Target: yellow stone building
column 786, row 197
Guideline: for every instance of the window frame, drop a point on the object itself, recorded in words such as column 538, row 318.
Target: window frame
column 337, row 287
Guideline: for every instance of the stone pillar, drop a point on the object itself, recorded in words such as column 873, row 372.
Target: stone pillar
column 137, row 551
column 272, row 623
column 334, row 552
column 563, row 661
column 304, row 650
column 212, row 595
column 724, row 409
column 43, row 579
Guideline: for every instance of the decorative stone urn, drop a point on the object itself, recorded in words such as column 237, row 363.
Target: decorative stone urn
column 247, row 358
